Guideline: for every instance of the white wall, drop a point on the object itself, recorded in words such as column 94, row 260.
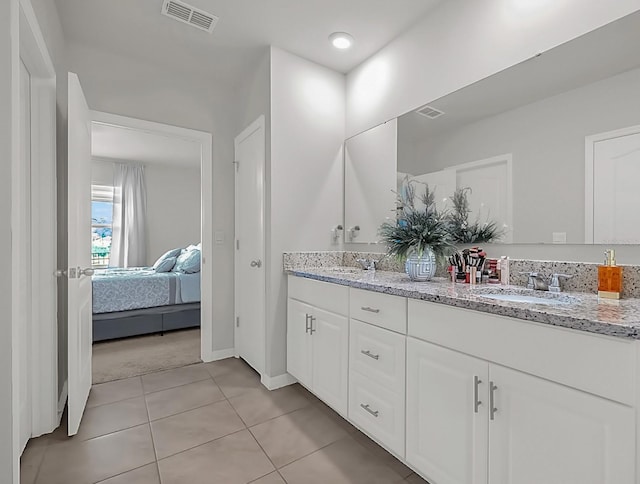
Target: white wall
column 173, row 204
column 546, row 139
column 173, row 208
column 461, row 42
column 307, row 132
column 9, row 65
column 116, row 84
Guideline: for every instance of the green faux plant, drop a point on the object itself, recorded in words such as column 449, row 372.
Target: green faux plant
column 465, row 232
column 416, row 229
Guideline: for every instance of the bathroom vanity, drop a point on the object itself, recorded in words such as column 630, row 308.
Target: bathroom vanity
column 466, row 388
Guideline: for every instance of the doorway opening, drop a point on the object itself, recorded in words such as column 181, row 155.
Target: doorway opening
column 148, row 244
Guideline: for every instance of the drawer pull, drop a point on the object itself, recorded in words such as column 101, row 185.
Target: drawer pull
column 306, row 329
column 368, row 409
column 476, row 400
column 371, row 310
column 492, row 407
column 369, row 354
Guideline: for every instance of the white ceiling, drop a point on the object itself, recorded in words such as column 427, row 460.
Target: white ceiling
column 137, row 29
column 600, row 54
column 124, row 144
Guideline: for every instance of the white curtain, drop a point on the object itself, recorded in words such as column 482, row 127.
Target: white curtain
column 129, row 240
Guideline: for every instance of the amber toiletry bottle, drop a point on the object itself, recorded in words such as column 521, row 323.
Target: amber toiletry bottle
column 609, row 277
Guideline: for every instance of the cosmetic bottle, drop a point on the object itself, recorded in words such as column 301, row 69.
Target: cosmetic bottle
column 609, row 277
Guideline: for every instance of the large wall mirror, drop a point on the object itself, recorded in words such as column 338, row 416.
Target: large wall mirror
column 549, row 148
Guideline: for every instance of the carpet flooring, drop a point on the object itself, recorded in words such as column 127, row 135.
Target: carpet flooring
column 124, row 358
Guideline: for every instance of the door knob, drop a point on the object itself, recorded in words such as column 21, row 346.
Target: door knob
column 256, row 263
column 85, row 272
column 60, row 273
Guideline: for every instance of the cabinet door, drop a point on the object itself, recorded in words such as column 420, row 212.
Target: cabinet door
column 299, row 349
column 446, row 430
column 330, row 358
column 543, row 432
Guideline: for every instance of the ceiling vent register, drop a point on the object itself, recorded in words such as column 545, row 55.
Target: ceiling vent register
column 429, row 112
column 189, row 15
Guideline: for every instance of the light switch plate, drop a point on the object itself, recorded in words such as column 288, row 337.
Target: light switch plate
column 218, row 237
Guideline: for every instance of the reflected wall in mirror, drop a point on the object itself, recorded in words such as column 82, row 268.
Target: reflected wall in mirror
column 550, row 147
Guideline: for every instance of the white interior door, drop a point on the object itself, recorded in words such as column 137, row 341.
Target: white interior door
column 79, row 253
column 616, row 170
column 250, row 279
column 22, row 263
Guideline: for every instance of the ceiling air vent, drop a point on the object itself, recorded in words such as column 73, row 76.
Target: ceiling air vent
column 187, row 14
column 429, row 112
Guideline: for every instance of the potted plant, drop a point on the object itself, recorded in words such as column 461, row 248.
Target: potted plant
column 463, row 231
column 419, row 233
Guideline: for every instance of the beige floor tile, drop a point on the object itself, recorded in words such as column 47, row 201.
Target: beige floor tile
column 195, row 427
column 154, row 382
column 296, row 434
column 228, row 365
column 239, row 381
column 343, row 462
column 31, row 459
column 415, row 479
column 143, row 475
column 259, row 405
column 112, row 417
column 115, row 391
column 382, row 454
column 89, row 461
column 234, row 459
column 273, row 478
column 180, row 399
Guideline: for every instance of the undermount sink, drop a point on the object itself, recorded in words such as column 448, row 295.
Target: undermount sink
column 528, row 296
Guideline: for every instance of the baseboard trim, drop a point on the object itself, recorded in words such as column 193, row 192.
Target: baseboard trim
column 275, row 382
column 62, row 401
column 220, row 355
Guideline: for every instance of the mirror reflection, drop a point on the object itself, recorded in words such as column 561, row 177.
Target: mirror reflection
column 548, row 149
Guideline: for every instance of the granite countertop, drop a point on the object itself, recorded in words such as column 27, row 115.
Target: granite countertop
column 580, row 311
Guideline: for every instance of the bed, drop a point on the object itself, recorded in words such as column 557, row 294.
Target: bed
column 140, row 300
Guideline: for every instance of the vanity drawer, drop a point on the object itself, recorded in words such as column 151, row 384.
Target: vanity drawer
column 378, row 354
column 383, row 310
column 378, row 412
column 323, row 295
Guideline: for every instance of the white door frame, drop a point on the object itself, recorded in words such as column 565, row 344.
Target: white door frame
column 206, row 210
column 589, row 159
column 44, row 328
column 256, row 125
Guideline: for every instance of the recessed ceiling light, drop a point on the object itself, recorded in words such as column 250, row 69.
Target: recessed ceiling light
column 341, row 40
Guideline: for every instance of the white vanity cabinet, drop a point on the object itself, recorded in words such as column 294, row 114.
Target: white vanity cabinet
column 473, row 420
column 377, row 367
column 318, row 339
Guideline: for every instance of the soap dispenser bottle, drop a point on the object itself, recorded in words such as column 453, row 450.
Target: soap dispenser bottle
column 609, row 277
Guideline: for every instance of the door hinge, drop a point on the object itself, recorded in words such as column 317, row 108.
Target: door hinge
column 237, row 244
column 237, row 163
column 237, row 321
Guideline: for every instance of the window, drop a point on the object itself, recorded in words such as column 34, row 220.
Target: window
column 101, row 224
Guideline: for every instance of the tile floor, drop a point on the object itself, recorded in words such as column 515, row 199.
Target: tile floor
column 209, row 423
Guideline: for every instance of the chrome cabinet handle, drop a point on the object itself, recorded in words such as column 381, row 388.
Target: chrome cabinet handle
column 256, row 263
column 306, row 323
column 493, row 409
column 369, row 354
column 476, row 400
column 368, row 409
column 311, row 320
column 371, row 310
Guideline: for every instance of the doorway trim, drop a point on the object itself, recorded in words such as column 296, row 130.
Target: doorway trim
column 589, row 158
column 206, row 209
column 44, row 325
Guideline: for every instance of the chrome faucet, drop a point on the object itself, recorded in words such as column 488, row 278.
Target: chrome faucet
column 368, row 264
column 539, row 282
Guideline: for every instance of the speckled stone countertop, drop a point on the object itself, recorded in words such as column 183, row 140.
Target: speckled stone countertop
column 579, row 311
